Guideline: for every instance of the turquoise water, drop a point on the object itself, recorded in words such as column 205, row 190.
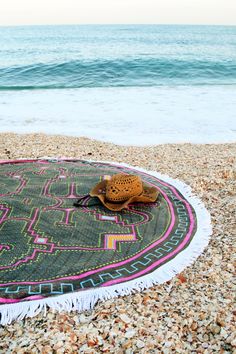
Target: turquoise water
column 116, row 56
column 131, row 85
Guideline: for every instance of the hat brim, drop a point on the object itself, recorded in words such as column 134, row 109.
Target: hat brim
column 149, row 195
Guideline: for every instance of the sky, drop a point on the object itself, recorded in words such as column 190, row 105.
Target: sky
column 40, row 12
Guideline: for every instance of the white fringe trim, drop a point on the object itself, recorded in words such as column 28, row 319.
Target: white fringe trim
column 85, row 300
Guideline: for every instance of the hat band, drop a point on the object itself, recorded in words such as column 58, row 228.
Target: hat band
column 124, row 199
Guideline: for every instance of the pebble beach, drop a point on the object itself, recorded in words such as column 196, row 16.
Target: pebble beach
column 194, row 312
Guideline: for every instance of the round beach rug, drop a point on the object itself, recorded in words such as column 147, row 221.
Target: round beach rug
column 55, row 254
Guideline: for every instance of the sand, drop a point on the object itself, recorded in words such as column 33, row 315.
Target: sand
column 195, row 312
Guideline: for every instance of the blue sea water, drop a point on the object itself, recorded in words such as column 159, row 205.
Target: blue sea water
column 116, row 56
column 163, row 83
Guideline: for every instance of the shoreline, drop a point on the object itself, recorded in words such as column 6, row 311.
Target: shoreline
column 195, row 310
column 138, row 116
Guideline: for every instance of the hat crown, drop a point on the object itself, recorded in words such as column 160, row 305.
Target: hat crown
column 122, row 187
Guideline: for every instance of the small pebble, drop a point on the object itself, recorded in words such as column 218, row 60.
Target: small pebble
column 125, row 318
column 130, row 333
column 140, row 344
column 205, row 345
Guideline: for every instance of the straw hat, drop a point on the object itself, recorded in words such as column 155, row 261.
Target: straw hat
column 123, row 189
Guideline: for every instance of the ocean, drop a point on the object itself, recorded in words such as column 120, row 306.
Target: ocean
column 128, row 84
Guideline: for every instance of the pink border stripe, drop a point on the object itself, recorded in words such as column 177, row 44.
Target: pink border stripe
column 12, row 301
column 19, row 161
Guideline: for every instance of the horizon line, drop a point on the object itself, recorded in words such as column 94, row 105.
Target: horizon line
column 118, row 24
